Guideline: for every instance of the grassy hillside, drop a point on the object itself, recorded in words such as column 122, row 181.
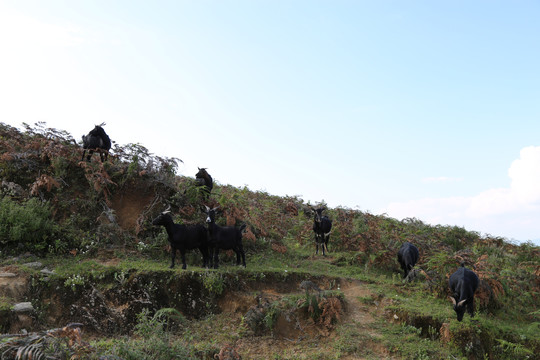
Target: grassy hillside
column 89, row 225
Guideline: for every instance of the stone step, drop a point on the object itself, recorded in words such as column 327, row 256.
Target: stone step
column 7, row 275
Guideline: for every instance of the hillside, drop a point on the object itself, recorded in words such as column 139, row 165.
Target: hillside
column 77, row 243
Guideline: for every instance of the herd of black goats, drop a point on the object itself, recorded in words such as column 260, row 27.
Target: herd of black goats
column 212, row 238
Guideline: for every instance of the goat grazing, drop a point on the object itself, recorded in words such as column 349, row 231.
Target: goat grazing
column 463, row 283
column 322, row 226
column 183, row 237
column 96, row 140
column 223, row 237
column 203, row 178
column 407, row 257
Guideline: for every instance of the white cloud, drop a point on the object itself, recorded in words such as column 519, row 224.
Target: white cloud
column 511, row 212
column 440, row 179
column 525, row 175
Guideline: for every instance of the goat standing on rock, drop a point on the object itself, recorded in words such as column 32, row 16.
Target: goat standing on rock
column 223, row 237
column 96, row 140
column 322, row 226
column 183, row 237
column 203, row 178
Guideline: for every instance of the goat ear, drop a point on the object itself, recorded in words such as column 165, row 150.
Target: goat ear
column 453, row 300
column 461, row 302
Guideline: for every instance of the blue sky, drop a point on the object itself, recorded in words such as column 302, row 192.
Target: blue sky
column 426, row 109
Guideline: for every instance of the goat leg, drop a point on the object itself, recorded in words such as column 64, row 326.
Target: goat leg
column 237, row 251
column 173, row 255
column 204, row 252
column 210, row 263
column 216, row 257
column 183, row 254
column 470, row 307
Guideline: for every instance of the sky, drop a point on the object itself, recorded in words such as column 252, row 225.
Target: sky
column 413, row 109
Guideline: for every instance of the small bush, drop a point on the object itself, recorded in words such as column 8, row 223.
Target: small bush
column 27, row 226
column 153, row 339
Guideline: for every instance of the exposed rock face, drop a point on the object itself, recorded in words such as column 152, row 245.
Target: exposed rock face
column 111, row 306
column 34, row 265
column 13, row 286
column 13, row 189
column 23, row 317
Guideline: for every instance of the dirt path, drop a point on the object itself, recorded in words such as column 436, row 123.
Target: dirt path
column 356, row 310
column 360, row 321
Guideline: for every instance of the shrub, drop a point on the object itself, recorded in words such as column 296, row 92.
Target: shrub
column 26, row 226
column 154, row 340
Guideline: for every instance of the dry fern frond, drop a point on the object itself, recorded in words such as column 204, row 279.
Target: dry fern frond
column 228, row 353
column 38, row 346
column 331, row 311
column 44, row 181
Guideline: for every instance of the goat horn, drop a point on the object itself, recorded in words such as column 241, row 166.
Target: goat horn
column 461, row 302
column 207, row 208
column 217, row 207
column 168, row 210
column 453, row 300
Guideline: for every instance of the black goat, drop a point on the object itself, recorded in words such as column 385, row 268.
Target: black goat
column 322, row 226
column 226, row 238
column 203, row 178
column 407, row 257
column 96, row 140
column 463, row 283
column 183, row 238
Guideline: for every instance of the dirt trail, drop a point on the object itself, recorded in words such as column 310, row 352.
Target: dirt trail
column 361, row 317
column 356, row 330
column 356, row 310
